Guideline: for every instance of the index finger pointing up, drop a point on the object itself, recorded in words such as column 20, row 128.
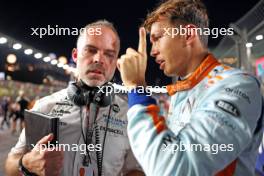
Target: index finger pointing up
column 142, row 44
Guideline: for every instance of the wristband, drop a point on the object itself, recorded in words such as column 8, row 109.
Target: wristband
column 24, row 170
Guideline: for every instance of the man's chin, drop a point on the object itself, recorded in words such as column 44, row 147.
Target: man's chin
column 94, row 82
column 168, row 73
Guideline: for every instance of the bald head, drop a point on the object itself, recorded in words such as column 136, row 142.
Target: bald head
column 95, row 28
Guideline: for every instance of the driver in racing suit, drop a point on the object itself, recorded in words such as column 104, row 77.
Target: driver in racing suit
column 96, row 57
column 214, row 124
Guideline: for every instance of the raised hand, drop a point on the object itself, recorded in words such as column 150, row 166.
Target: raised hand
column 133, row 64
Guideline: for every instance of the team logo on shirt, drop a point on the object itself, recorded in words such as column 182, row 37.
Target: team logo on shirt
column 238, row 93
column 112, row 130
column 115, row 121
column 61, row 108
column 227, row 107
column 188, row 105
column 168, row 139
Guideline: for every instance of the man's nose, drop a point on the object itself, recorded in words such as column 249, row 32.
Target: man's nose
column 154, row 51
column 98, row 58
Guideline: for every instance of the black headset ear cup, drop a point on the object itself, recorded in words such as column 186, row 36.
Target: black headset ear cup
column 104, row 96
column 84, row 95
column 75, row 94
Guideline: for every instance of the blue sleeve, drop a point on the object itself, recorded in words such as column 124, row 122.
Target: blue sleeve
column 157, row 148
column 135, row 97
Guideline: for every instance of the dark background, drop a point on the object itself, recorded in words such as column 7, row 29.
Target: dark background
column 17, row 19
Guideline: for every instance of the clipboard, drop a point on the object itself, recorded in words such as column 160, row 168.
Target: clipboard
column 38, row 125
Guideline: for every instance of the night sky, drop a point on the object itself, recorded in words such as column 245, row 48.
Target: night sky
column 17, row 19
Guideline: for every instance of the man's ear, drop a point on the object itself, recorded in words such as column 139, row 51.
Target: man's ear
column 191, row 33
column 74, row 54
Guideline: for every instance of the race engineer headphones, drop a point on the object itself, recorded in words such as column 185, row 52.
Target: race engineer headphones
column 81, row 94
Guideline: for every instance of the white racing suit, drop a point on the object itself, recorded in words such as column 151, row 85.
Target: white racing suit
column 213, row 128
column 117, row 159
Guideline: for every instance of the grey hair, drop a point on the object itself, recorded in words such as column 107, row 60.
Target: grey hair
column 104, row 23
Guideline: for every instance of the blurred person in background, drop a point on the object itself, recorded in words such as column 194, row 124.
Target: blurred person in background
column 5, row 105
column 23, row 103
column 14, row 114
